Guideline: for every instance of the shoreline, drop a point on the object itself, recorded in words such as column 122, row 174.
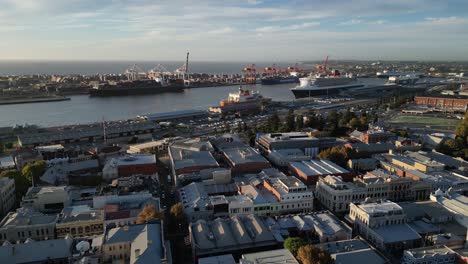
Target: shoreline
column 33, row 100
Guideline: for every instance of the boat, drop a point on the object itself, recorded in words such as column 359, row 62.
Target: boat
column 325, row 85
column 243, row 97
column 279, row 80
column 403, row 80
column 134, row 87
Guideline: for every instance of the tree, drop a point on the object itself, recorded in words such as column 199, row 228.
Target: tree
column 338, row 155
column 177, row 211
column 293, row 244
column 290, row 121
column 33, row 171
column 239, row 127
column 310, row 254
column 299, row 122
column 22, row 183
column 273, row 123
column 355, row 123
column 462, row 128
column 148, row 213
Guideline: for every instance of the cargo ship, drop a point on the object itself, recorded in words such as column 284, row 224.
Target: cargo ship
column 403, row 80
column 279, row 80
column 135, row 87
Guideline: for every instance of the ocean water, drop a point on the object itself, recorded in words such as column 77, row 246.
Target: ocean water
column 105, row 67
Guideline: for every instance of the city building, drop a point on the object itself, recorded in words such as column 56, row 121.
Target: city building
column 239, row 234
column 7, row 163
column 443, row 103
column 448, row 161
column 129, row 165
column 367, row 150
column 353, row 251
column 27, row 223
column 293, row 140
column 455, row 203
column 190, row 156
column 58, row 170
column 80, row 221
column 136, row 244
column 375, row 136
column 25, row 156
column 336, row 195
column 270, row 256
column 432, row 254
column 90, row 133
column 244, row 159
column 282, row 157
column 31, row 251
column 100, row 201
column 126, row 213
column 221, row 259
column 363, row 164
column 157, row 146
column 47, row 199
column 310, row 171
column 384, row 225
column 7, row 195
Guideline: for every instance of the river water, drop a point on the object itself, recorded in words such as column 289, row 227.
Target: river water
column 84, row 109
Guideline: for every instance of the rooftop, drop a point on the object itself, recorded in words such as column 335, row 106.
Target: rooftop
column 296, row 136
column 318, row 167
column 242, row 155
column 191, row 153
column 36, row 251
column 396, row 233
column 79, row 213
column 135, row 159
column 423, row 252
column 222, row 259
column 269, row 257
column 380, row 208
column 27, row 217
column 173, row 114
column 146, row 238
column 352, row 251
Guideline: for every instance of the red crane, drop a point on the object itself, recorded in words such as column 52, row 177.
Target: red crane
column 323, row 68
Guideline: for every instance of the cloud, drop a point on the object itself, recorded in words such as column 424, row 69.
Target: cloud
column 287, row 28
column 350, row 22
column 445, row 20
column 254, row 2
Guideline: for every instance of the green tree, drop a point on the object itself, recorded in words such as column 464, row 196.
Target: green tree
column 462, row 128
column 299, row 122
column 290, row 121
column 293, row 244
column 273, row 123
column 310, row 254
column 33, row 171
column 239, row 127
column 22, row 183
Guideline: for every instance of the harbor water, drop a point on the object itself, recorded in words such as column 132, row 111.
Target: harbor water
column 84, row 109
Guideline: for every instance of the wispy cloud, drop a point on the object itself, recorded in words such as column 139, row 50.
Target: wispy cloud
column 350, row 22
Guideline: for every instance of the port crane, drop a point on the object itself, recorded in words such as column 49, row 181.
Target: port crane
column 134, row 72
column 250, row 74
column 323, row 68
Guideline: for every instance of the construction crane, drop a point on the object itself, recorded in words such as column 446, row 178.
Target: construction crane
column 323, row 68
column 250, row 74
column 158, row 72
column 134, row 72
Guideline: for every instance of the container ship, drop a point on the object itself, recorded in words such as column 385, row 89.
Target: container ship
column 279, row 80
column 135, row 87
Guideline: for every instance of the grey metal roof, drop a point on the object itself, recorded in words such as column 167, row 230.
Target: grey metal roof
column 36, row 251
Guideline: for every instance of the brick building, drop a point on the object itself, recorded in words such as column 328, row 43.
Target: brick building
column 443, row 102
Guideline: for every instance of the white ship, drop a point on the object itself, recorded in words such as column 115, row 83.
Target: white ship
column 325, row 85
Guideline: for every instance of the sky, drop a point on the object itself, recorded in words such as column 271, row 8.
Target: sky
column 242, row 30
